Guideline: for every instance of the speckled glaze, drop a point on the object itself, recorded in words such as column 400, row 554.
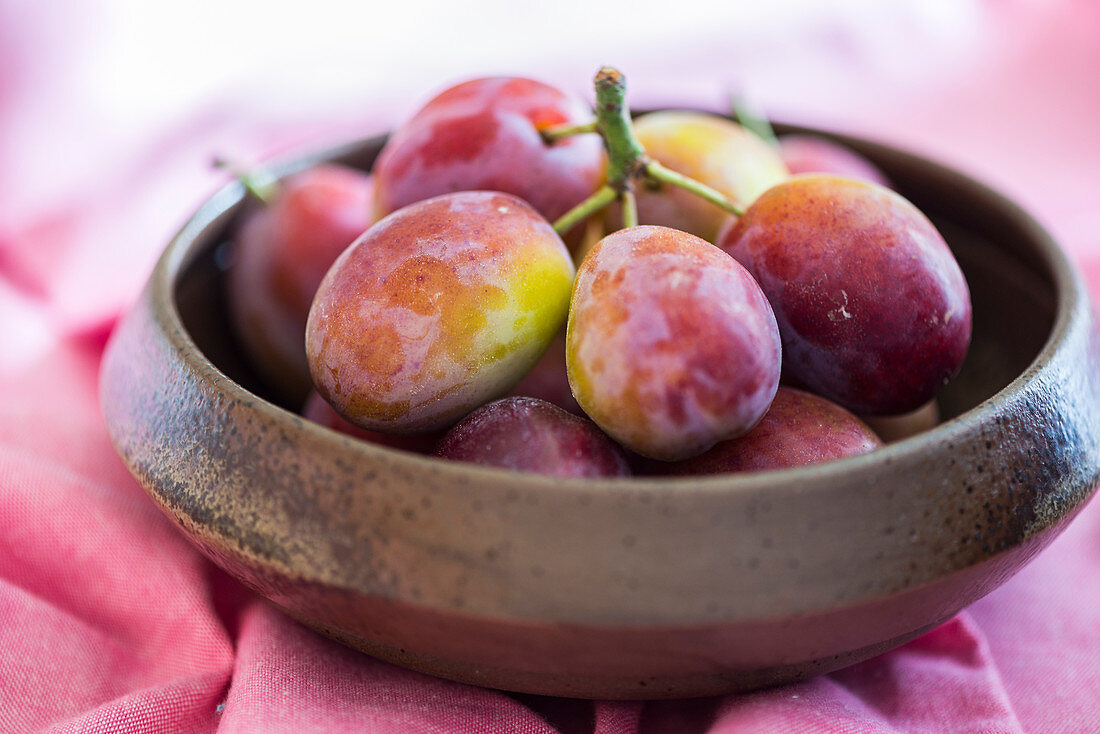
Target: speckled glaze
column 625, row 588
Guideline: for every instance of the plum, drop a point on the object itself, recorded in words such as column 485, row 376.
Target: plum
column 486, row 134
column 436, row 309
column 527, row 434
column 798, row 429
column 548, row 379
column 670, row 346
column 872, row 306
column 280, row 256
column 320, row 412
column 814, row 154
column 711, row 150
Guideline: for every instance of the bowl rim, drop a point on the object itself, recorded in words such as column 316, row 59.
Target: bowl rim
column 1069, row 314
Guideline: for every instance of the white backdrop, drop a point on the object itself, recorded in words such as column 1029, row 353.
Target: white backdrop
column 110, row 110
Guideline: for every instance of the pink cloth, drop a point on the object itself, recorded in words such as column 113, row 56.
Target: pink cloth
column 110, row 621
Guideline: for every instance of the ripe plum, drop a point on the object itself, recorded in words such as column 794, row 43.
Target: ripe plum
column 320, row 412
column 280, row 256
column 437, row 309
column 798, row 429
column 671, row 345
column 526, row 434
column 485, row 134
column 712, row 150
column 873, row 308
column 813, row 154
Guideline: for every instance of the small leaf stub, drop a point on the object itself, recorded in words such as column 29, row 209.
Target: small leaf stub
column 609, row 75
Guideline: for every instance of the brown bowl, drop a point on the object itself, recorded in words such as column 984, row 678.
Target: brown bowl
column 642, row 588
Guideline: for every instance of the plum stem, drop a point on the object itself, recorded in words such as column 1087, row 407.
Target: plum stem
column 752, row 119
column 258, row 181
column 627, row 161
column 657, row 172
column 597, row 201
column 630, row 209
column 625, row 154
column 554, row 134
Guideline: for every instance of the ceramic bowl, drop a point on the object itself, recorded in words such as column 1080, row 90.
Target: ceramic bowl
column 641, row 588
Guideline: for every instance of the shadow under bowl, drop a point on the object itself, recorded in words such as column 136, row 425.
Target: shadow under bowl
column 641, row 588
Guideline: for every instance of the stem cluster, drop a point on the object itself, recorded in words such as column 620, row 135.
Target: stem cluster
column 628, row 163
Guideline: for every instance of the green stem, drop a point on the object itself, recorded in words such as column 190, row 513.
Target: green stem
column 625, row 154
column 603, row 196
column 258, row 181
column 630, row 209
column 751, row 120
column 554, row 134
column 627, row 161
column 657, row 172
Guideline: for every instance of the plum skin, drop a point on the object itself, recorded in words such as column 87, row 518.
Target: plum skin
column 485, row 134
column 713, row 150
column 316, row 410
column 548, row 380
column 670, row 344
column 437, row 309
column 813, row 154
column 527, row 434
column 873, row 308
column 799, row 429
column 281, row 253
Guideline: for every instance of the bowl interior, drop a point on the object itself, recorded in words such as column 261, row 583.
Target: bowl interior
column 1013, row 288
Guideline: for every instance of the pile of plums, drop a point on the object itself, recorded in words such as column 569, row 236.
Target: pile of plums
column 432, row 306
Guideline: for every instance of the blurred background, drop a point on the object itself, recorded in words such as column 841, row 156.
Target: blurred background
column 110, row 114
column 111, row 110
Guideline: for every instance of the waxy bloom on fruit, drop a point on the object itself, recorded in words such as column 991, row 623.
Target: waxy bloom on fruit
column 439, row 308
column 671, row 346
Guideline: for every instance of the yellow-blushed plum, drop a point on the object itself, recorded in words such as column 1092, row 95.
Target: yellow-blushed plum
column 712, row 150
column 437, row 309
